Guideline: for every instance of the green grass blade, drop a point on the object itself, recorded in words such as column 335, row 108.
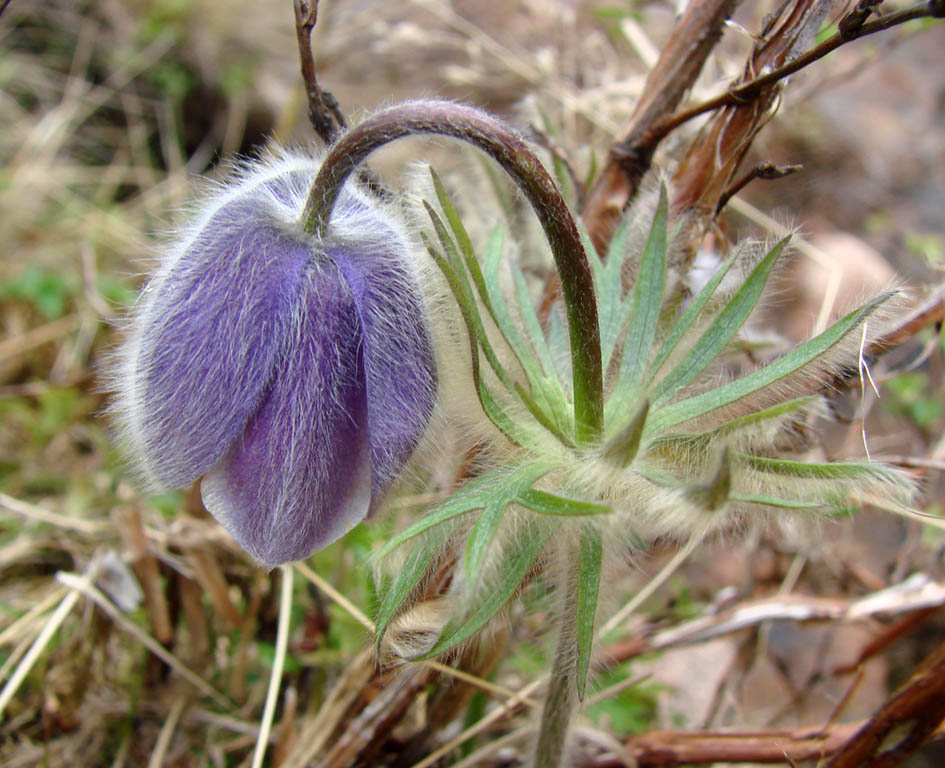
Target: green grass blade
column 683, row 442
column 588, row 588
column 647, row 295
column 555, row 417
column 532, row 327
column 463, row 241
column 548, row 389
column 722, row 330
column 459, row 285
column 757, row 418
column 566, row 185
column 560, row 347
column 547, row 414
column 591, row 171
column 700, row 405
column 660, row 477
column 498, row 416
column 452, row 217
column 481, row 536
column 500, row 310
column 477, row 340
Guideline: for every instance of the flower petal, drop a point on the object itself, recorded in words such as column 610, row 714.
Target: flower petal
column 400, row 372
column 300, row 475
column 207, row 341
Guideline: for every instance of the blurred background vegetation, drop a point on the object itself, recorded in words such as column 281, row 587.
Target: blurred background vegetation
column 109, row 110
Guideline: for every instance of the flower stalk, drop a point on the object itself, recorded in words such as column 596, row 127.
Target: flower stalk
column 501, row 143
column 562, row 693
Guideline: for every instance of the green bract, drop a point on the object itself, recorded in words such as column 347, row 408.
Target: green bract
column 678, row 456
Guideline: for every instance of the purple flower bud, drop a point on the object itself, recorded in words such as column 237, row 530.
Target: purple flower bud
column 296, row 373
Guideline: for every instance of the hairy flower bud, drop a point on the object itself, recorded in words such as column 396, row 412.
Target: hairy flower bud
column 295, row 372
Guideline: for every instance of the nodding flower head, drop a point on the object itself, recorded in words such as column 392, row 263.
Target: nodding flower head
column 294, row 372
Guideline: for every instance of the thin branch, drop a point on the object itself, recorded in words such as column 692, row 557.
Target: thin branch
column 323, row 110
column 858, row 16
column 630, row 156
column 931, row 312
column 777, row 745
column 766, row 746
column 750, row 90
column 761, row 171
column 902, row 724
column 913, row 462
column 890, row 635
column 916, row 594
column 713, row 159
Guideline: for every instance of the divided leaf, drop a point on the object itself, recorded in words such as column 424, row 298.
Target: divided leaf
column 519, row 558
column 697, row 406
column 407, row 578
column 690, row 314
column 774, row 501
column 497, row 486
column 608, row 287
column 484, row 531
column 645, row 304
column 722, row 330
column 477, row 340
column 852, row 471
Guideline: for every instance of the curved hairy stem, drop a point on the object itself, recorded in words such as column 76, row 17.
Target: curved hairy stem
column 507, row 148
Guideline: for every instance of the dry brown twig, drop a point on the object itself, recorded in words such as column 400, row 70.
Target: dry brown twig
column 714, row 157
column 765, row 746
column 323, row 111
column 783, row 746
column 630, row 155
column 767, row 171
column 852, row 27
column 903, row 724
column 930, row 312
column 916, row 595
column 693, row 39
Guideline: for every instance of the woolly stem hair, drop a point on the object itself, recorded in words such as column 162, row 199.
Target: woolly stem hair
column 560, row 701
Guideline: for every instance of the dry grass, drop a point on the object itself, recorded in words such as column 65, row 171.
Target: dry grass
column 132, row 630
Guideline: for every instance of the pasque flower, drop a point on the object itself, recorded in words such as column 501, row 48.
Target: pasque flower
column 293, row 371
